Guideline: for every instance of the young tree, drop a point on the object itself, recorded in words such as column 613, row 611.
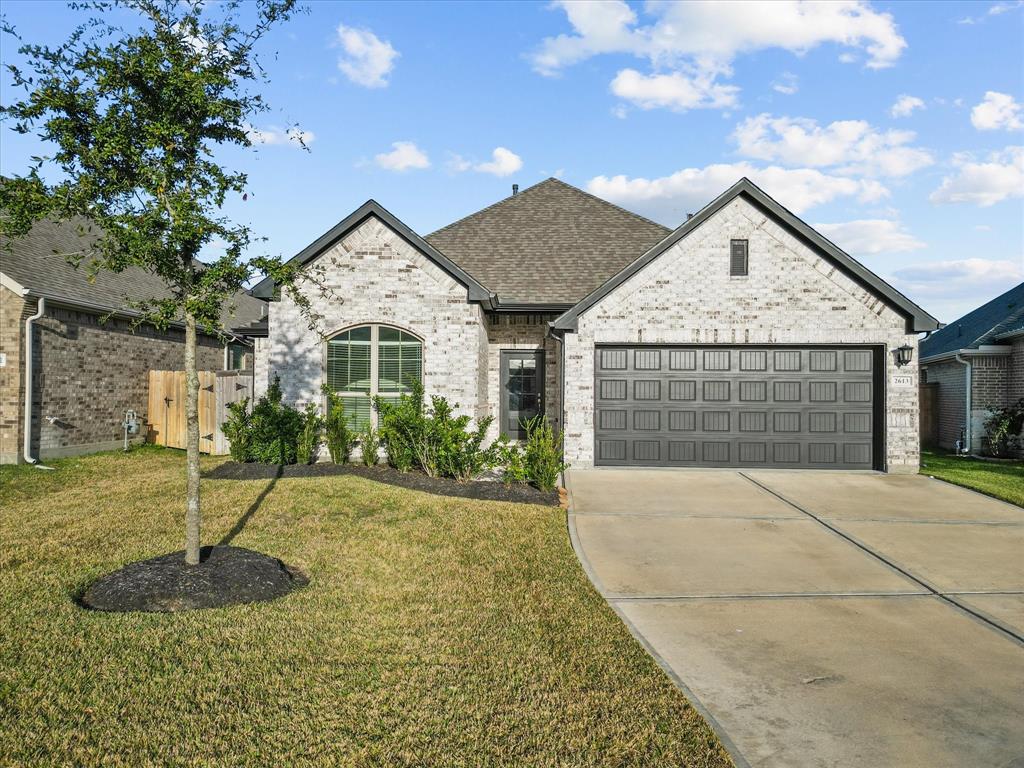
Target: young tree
column 134, row 118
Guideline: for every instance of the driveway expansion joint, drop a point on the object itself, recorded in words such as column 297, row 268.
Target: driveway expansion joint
column 947, row 597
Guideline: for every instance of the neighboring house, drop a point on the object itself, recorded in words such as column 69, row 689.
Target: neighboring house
column 740, row 338
column 977, row 362
column 85, row 373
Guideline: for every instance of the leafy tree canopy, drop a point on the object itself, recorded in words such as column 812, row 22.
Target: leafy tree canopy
column 134, row 117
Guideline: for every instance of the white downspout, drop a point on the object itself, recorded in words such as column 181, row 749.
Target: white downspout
column 27, row 443
column 968, row 436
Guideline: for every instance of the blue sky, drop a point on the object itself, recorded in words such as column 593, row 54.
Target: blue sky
column 895, row 128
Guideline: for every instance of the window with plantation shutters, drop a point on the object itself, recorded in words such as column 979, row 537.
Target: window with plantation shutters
column 737, row 257
column 372, row 360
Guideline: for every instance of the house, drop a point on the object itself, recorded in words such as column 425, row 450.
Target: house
column 977, row 364
column 86, row 361
column 740, row 338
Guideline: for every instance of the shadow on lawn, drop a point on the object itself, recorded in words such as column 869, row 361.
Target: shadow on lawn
column 240, row 525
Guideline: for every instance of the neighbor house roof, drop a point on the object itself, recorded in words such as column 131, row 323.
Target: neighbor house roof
column 37, row 263
column 550, row 244
column 917, row 319
column 999, row 317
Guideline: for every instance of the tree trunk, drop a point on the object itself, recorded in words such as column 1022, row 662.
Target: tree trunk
column 193, row 517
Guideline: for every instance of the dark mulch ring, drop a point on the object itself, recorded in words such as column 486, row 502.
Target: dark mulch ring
column 224, row 576
column 485, row 490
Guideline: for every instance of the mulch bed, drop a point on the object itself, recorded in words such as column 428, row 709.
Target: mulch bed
column 485, row 490
column 224, row 576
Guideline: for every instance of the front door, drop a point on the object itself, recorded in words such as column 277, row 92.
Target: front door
column 522, row 390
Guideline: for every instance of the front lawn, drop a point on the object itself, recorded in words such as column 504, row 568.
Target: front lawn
column 434, row 631
column 1003, row 480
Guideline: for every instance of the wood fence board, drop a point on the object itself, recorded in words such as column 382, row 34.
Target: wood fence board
column 166, row 414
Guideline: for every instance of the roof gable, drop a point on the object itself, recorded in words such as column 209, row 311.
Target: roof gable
column 917, row 319
column 550, row 244
column 475, row 290
column 983, row 325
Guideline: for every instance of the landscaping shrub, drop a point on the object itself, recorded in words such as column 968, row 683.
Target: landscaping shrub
column 309, row 438
column 543, row 453
column 512, row 461
column 269, row 433
column 401, row 428
column 369, row 440
column 238, row 430
column 433, row 439
column 340, row 436
column 1003, row 428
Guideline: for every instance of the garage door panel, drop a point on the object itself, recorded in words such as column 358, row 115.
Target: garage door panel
column 734, row 407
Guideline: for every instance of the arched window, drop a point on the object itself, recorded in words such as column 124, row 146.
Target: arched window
column 372, row 360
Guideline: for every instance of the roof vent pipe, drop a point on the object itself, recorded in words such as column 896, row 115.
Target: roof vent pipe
column 515, row 190
column 689, row 216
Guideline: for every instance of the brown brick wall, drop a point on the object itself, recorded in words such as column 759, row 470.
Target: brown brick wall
column 1015, row 371
column 13, row 310
column 87, row 374
column 950, row 376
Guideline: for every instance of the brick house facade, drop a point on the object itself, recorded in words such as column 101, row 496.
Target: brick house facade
column 89, row 366
column 980, row 354
column 556, row 271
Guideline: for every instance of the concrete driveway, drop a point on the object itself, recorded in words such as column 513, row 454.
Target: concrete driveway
column 818, row 618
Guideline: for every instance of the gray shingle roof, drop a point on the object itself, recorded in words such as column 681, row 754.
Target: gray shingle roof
column 37, row 262
column 1001, row 315
column 552, row 243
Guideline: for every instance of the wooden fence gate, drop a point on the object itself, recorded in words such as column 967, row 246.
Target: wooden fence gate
column 166, row 414
column 929, row 402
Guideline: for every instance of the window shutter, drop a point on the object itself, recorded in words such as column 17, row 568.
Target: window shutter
column 737, row 257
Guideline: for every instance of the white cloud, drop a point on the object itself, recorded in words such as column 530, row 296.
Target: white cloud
column 997, row 111
column 403, row 156
column 870, row 236
column 995, row 10
column 503, row 163
column 982, row 228
column 273, row 135
column 852, row 146
column 670, row 198
column 951, row 289
column 999, row 177
column 905, row 105
column 690, row 45
column 787, row 84
column 367, row 60
column 675, row 91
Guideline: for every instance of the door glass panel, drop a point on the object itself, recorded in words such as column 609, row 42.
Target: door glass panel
column 521, row 392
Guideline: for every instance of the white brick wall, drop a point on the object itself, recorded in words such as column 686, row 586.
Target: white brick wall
column 377, row 277
column 791, row 296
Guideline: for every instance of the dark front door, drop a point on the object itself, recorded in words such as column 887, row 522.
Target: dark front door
column 522, row 390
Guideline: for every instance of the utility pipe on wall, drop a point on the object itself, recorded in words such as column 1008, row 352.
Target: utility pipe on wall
column 29, row 368
column 968, row 432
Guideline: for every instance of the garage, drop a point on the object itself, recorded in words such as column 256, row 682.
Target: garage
column 738, row 406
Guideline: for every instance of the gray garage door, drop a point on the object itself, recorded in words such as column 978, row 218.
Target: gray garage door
column 736, row 406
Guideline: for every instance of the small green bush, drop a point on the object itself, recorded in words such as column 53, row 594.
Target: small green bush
column 433, row 439
column 543, row 453
column 237, row 430
column 369, row 440
column 340, row 436
column 309, row 438
column 1003, row 429
column 268, row 434
column 401, row 427
column 511, row 459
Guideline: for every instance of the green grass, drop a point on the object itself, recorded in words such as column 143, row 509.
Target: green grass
column 1002, row 480
column 434, row 631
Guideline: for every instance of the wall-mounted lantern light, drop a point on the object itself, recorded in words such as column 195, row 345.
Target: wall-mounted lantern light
column 903, row 355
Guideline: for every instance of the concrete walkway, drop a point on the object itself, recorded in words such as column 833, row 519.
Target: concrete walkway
column 818, row 618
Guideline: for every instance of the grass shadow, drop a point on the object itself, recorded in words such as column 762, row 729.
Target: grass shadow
column 239, row 526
